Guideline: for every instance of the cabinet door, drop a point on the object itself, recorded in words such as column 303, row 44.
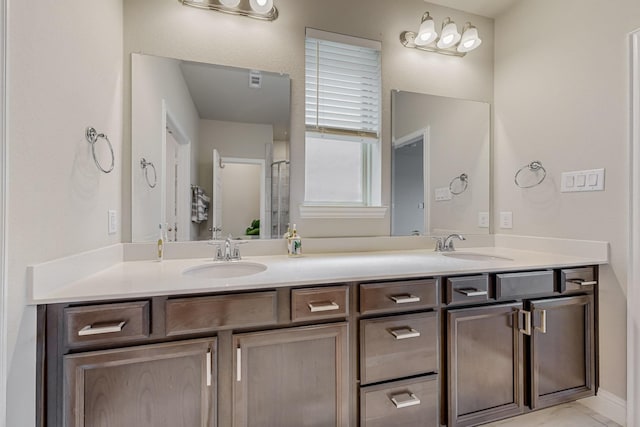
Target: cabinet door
column 562, row 350
column 163, row 385
column 296, row 377
column 485, row 349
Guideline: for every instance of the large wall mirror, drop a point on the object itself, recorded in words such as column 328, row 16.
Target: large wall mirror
column 440, row 165
column 210, row 150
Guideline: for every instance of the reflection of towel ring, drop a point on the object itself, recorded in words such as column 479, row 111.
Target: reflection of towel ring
column 464, row 183
column 143, row 165
column 92, row 137
column 534, row 167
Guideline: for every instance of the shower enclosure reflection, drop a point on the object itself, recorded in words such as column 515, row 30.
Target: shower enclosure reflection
column 218, row 137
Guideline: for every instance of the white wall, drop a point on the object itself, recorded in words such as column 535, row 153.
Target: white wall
column 562, row 97
column 65, row 72
column 166, row 28
column 155, row 80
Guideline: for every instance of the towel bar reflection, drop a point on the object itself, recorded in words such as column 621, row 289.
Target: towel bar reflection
column 145, row 165
column 93, row 136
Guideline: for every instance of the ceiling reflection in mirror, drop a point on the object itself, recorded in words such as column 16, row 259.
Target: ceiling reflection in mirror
column 210, row 151
column 440, row 165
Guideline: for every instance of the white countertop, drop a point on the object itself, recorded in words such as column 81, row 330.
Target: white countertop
column 133, row 279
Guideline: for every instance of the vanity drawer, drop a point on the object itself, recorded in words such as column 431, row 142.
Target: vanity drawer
column 206, row 314
column 389, row 297
column 407, row 403
column 522, row 285
column 398, row 346
column 468, row 289
column 577, row 279
column 106, row 323
column 319, row 303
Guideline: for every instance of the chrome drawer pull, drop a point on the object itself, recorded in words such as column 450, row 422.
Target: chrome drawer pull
column 404, row 333
column 404, row 298
column 527, row 322
column 581, row 282
column 543, row 322
column 471, row 292
column 323, row 306
column 101, row 328
column 405, row 400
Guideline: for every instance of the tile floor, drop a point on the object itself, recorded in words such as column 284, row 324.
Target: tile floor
column 568, row 415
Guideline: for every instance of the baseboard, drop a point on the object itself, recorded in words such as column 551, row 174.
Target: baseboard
column 609, row 405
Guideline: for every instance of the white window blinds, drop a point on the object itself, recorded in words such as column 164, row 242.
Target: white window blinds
column 342, row 84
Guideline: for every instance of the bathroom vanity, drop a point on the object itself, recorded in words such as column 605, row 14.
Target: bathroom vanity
column 450, row 342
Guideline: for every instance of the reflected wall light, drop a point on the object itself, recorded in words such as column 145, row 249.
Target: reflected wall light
column 257, row 9
column 450, row 41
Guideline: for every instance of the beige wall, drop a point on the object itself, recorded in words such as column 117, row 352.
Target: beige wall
column 562, row 97
column 64, row 74
column 166, row 28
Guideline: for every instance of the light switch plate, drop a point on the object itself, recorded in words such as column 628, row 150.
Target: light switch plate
column 586, row 180
column 113, row 222
column 506, row 220
column 442, row 194
column 483, row 219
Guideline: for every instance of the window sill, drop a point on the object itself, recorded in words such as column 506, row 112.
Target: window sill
column 370, row 212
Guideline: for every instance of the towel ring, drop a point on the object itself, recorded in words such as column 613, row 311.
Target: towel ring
column 534, row 167
column 143, row 164
column 464, row 183
column 93, row 136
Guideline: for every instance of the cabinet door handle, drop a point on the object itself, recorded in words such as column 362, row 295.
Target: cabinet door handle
column 238, row 364
column 404, row 298
column 323, row 306
column 471, row 292
column 102, row 328
column 209, row 368
column 527, row 321
column 543, row 322
column 404, row 400
column 404, row 333
column 581, row 282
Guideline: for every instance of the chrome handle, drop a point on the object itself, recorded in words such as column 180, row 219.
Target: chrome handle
column 404, row 298
column 323, row 306
column 404, row 333
column 238, row 364
column 209, row 367
column 527, row 322
column 581, row 282
column 102, row 328
column 471, row 292
column 404, row 400
column 543, row 322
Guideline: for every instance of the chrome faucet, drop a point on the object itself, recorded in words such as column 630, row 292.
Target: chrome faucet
column 445, row 244
column 227, row 250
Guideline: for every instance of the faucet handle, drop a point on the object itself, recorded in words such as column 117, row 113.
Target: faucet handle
column 439, row 243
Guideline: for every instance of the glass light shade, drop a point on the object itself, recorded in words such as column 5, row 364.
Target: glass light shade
column 229, row 3
column 470, row 40
column 427, row 33
column 261, row 6
column 449, row 37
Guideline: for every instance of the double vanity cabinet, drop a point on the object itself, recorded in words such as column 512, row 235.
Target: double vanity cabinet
column 445, row 350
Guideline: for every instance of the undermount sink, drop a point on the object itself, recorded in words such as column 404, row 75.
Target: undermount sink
column 225, row 270
column 476, row 257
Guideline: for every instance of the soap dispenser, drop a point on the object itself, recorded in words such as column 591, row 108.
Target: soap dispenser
column 296, row 243
column 160, row 253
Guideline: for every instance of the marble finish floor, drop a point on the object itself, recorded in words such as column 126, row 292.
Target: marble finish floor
column 568, row 415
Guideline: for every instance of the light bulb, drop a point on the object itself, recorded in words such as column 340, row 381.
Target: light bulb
column 229, row 3
column 470, row 40
column 449, row 36
column 261, row 6
column 427, row 32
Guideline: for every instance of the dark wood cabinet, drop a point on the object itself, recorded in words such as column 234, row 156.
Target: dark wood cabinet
column 158, row 385
column 297, row 377
column 485, row 364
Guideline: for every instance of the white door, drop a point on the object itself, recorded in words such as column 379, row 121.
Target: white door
column 171, row 167
column 216, row 197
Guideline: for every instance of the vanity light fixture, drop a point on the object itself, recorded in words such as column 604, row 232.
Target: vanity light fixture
column 258, row 9
column 450, row 41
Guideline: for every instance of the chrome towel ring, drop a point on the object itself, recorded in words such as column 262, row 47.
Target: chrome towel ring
column 536, row 168
column 144, row 165
column 464, row 183
column 93, row 136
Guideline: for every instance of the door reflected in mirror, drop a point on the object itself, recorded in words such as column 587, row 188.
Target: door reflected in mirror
column 440, row 165
column 218, row 140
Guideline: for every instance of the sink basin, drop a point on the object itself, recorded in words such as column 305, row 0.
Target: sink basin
column 225, row 270
column 475, row 257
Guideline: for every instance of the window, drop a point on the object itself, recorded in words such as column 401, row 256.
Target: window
column 342, row 117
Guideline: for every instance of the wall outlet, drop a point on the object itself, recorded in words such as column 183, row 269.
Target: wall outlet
column 506, row 219
column 483, row 219
column 113, row 222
